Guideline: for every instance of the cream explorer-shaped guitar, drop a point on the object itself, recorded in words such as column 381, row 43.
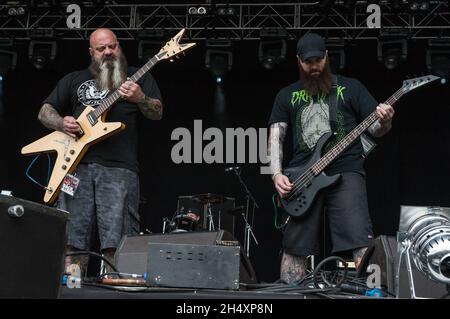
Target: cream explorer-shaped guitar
column 70, row 150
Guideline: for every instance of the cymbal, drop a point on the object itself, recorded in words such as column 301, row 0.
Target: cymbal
column 237, row 211
column 208, row 198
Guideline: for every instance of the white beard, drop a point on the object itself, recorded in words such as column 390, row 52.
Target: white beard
column 104, row 76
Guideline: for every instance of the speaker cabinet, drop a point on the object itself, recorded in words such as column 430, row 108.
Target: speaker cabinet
column 32, row 242
column 133, row 251
column 383, row 252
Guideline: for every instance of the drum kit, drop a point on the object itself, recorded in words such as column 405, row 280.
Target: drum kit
column 204, row 212
column 199, row 214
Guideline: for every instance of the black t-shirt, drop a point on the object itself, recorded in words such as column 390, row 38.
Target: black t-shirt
column 78, row 89
column 309, row 118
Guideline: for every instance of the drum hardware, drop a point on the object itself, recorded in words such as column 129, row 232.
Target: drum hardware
column 207, row 200
column 244, row 211
column 182, row 221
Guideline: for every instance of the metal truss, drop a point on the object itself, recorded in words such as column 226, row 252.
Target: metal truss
column 131, row 22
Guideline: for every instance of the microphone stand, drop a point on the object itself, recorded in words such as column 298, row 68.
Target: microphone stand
column 248, row 227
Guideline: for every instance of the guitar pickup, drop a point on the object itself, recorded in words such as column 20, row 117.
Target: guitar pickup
column 92, row 118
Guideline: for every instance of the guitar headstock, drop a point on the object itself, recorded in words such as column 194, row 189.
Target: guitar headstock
column 411, row 84
column 173, row 47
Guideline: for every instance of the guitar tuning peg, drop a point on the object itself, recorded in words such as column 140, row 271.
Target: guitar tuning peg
column 171, row 60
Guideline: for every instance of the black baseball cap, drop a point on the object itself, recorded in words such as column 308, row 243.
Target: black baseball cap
column 311, row 45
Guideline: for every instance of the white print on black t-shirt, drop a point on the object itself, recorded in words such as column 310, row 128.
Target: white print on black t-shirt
column 315, row 122
column 89, row 95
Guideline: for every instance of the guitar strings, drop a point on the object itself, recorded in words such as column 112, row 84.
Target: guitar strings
column 305, row 178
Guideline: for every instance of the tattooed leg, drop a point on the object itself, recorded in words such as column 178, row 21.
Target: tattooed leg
column 293, row 268
column 358, row 255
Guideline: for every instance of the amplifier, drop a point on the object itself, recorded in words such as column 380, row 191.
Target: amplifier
column 193, row 266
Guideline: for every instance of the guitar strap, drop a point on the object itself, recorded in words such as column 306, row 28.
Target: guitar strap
column 332, row 101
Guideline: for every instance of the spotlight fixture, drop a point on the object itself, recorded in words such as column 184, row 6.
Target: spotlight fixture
column 272, row 52
column 197, row 10
column 416, row 6
column 8, row 61
column 438, row 58
column 392, row 52
column 16, row 11
column 219, row 62
column 226, row 11
column 272, row 47
column 336, row 55
column 218, row 58
column 41, row 53
column 424, row 237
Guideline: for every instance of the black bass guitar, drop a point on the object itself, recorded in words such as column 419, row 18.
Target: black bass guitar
column 310, row 178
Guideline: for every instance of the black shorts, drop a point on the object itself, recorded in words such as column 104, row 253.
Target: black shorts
column 346, row 210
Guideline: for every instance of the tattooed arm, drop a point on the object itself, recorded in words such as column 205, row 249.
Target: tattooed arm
column 52, row 120
column 151, row 108
column 276, row 138
column 277, row 134
column 50, row 117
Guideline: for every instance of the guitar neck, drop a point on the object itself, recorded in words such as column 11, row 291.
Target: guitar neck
column 110, row 100
column 352, row 136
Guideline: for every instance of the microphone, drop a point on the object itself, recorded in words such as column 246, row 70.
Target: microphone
column 235, row 168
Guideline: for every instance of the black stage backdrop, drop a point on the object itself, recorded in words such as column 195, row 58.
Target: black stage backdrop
column 408, row 167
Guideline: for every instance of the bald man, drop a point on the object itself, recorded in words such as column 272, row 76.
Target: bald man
column 108, row 185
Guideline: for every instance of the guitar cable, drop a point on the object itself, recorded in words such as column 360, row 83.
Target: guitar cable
column 27, row 172
column 282, row 225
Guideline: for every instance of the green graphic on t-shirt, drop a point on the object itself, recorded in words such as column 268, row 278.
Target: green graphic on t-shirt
column 312, row 118
column 304, row 96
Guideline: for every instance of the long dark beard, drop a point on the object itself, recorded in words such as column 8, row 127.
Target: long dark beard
column 314, row 84
column 109, row 73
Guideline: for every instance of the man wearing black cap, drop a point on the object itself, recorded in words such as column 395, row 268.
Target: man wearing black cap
column 318, row 103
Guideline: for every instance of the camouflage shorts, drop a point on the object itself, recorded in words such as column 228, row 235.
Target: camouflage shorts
column 107, row 197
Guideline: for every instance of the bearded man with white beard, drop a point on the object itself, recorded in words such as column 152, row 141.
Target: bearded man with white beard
column 107, row 195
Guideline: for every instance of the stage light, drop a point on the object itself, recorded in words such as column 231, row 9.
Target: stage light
column 438, row 58
column 424, row 236
column 225, row 11
column 8, row 61
column 272, row 52
column 41, row 53
column 16, row 11
column 272, row 47
column 424, row 6
column 219, row 62
column 218, row 58
column 336, row 55
column 197, row 10
column 419, row 6
column 392, row 52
